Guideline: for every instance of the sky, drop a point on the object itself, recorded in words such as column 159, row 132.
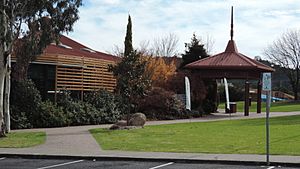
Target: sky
column 257, row 23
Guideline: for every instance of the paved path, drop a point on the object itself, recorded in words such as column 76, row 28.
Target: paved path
column 77, row 141
column 62, row 141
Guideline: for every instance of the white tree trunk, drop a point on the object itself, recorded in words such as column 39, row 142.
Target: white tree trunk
column 2, row 76
column 6, row 95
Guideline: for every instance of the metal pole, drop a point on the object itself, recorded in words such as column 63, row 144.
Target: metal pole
column 267, row 86
column 268, row 127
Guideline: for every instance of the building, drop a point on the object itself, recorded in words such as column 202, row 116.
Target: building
column 71, row 66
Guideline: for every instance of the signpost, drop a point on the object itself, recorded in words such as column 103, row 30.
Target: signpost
column 267, row 86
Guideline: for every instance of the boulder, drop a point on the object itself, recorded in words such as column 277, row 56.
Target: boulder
column 121, row 123
column 114, row 127
column 118, row 125
column 137, row 119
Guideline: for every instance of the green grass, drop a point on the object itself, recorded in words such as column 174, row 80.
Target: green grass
column 22, row 139
column 275, row 107
column 230, row 136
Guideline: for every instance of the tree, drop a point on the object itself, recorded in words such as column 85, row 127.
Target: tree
column 285, row 51
column 194, row 51
column 159, row 71
column 280, row 80
column 116, row 51
column 44, row 22
column 209, row 44
column 128, row 38
column 130, row 74
column 165, row 46
column 38, row 23
column 5, row 48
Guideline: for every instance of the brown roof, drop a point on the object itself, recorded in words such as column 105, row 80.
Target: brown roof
column 230, row 59
column 71, row 47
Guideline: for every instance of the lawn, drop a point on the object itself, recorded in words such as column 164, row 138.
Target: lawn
column 22, row 139
column 275, row 107
column 230, row 136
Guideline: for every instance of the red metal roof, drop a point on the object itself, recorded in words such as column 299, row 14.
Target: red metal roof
column 76, row 49
column 230, row 59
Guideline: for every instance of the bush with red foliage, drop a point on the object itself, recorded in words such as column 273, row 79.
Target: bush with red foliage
column 161, row 104
column 199, row 90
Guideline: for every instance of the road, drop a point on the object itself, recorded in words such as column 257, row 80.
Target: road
column 22, row 163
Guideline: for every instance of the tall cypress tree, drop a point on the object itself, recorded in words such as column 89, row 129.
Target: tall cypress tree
column 130, row 74
column 195, row 51
column 128, row 38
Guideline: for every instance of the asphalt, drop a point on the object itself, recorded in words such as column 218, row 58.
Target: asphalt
column 77, row 142
column 25, row 163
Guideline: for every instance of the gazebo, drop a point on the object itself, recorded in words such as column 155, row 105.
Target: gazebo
column 231, row 64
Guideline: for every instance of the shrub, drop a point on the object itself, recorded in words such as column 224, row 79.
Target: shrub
column 25, row 100
column 51, row 115
column 79, row 112
column 161, row 104
column 209, row 106
column 105, row 103
column 211, row 101
column 82, row 113
column 19, row 119
column 65, row 100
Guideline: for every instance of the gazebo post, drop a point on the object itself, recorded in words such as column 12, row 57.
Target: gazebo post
column 259, row 87
column 246, row 106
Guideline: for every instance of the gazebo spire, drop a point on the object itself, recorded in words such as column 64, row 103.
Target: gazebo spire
column 231, row 25
column 231, row 47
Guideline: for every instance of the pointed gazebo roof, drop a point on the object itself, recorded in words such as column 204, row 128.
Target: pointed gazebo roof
column 230, row 63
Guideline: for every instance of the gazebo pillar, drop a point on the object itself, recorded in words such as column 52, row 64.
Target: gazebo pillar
column 246, row 105
column 259, row 88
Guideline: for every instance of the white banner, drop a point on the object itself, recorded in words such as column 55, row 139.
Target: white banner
column 226, row 93
column 187, row 94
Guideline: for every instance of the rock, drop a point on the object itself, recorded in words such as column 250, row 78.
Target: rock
column 137, row 119
column 118, row 125
column 130, row 127
column 114, row 127
column 121, row 123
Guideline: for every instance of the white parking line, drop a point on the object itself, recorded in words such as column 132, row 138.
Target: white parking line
column 57, row 165
column 271, row 167
column 162, row 165
column 2, row 158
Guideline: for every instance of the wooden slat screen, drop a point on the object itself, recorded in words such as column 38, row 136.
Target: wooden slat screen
column 80, row 73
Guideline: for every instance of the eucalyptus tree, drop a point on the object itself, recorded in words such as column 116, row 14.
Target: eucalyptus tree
column 26, row 28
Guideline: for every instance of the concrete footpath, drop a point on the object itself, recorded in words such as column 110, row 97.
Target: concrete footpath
column 77, row 142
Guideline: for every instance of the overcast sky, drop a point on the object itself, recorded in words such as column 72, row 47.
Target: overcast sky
column 257, row 23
